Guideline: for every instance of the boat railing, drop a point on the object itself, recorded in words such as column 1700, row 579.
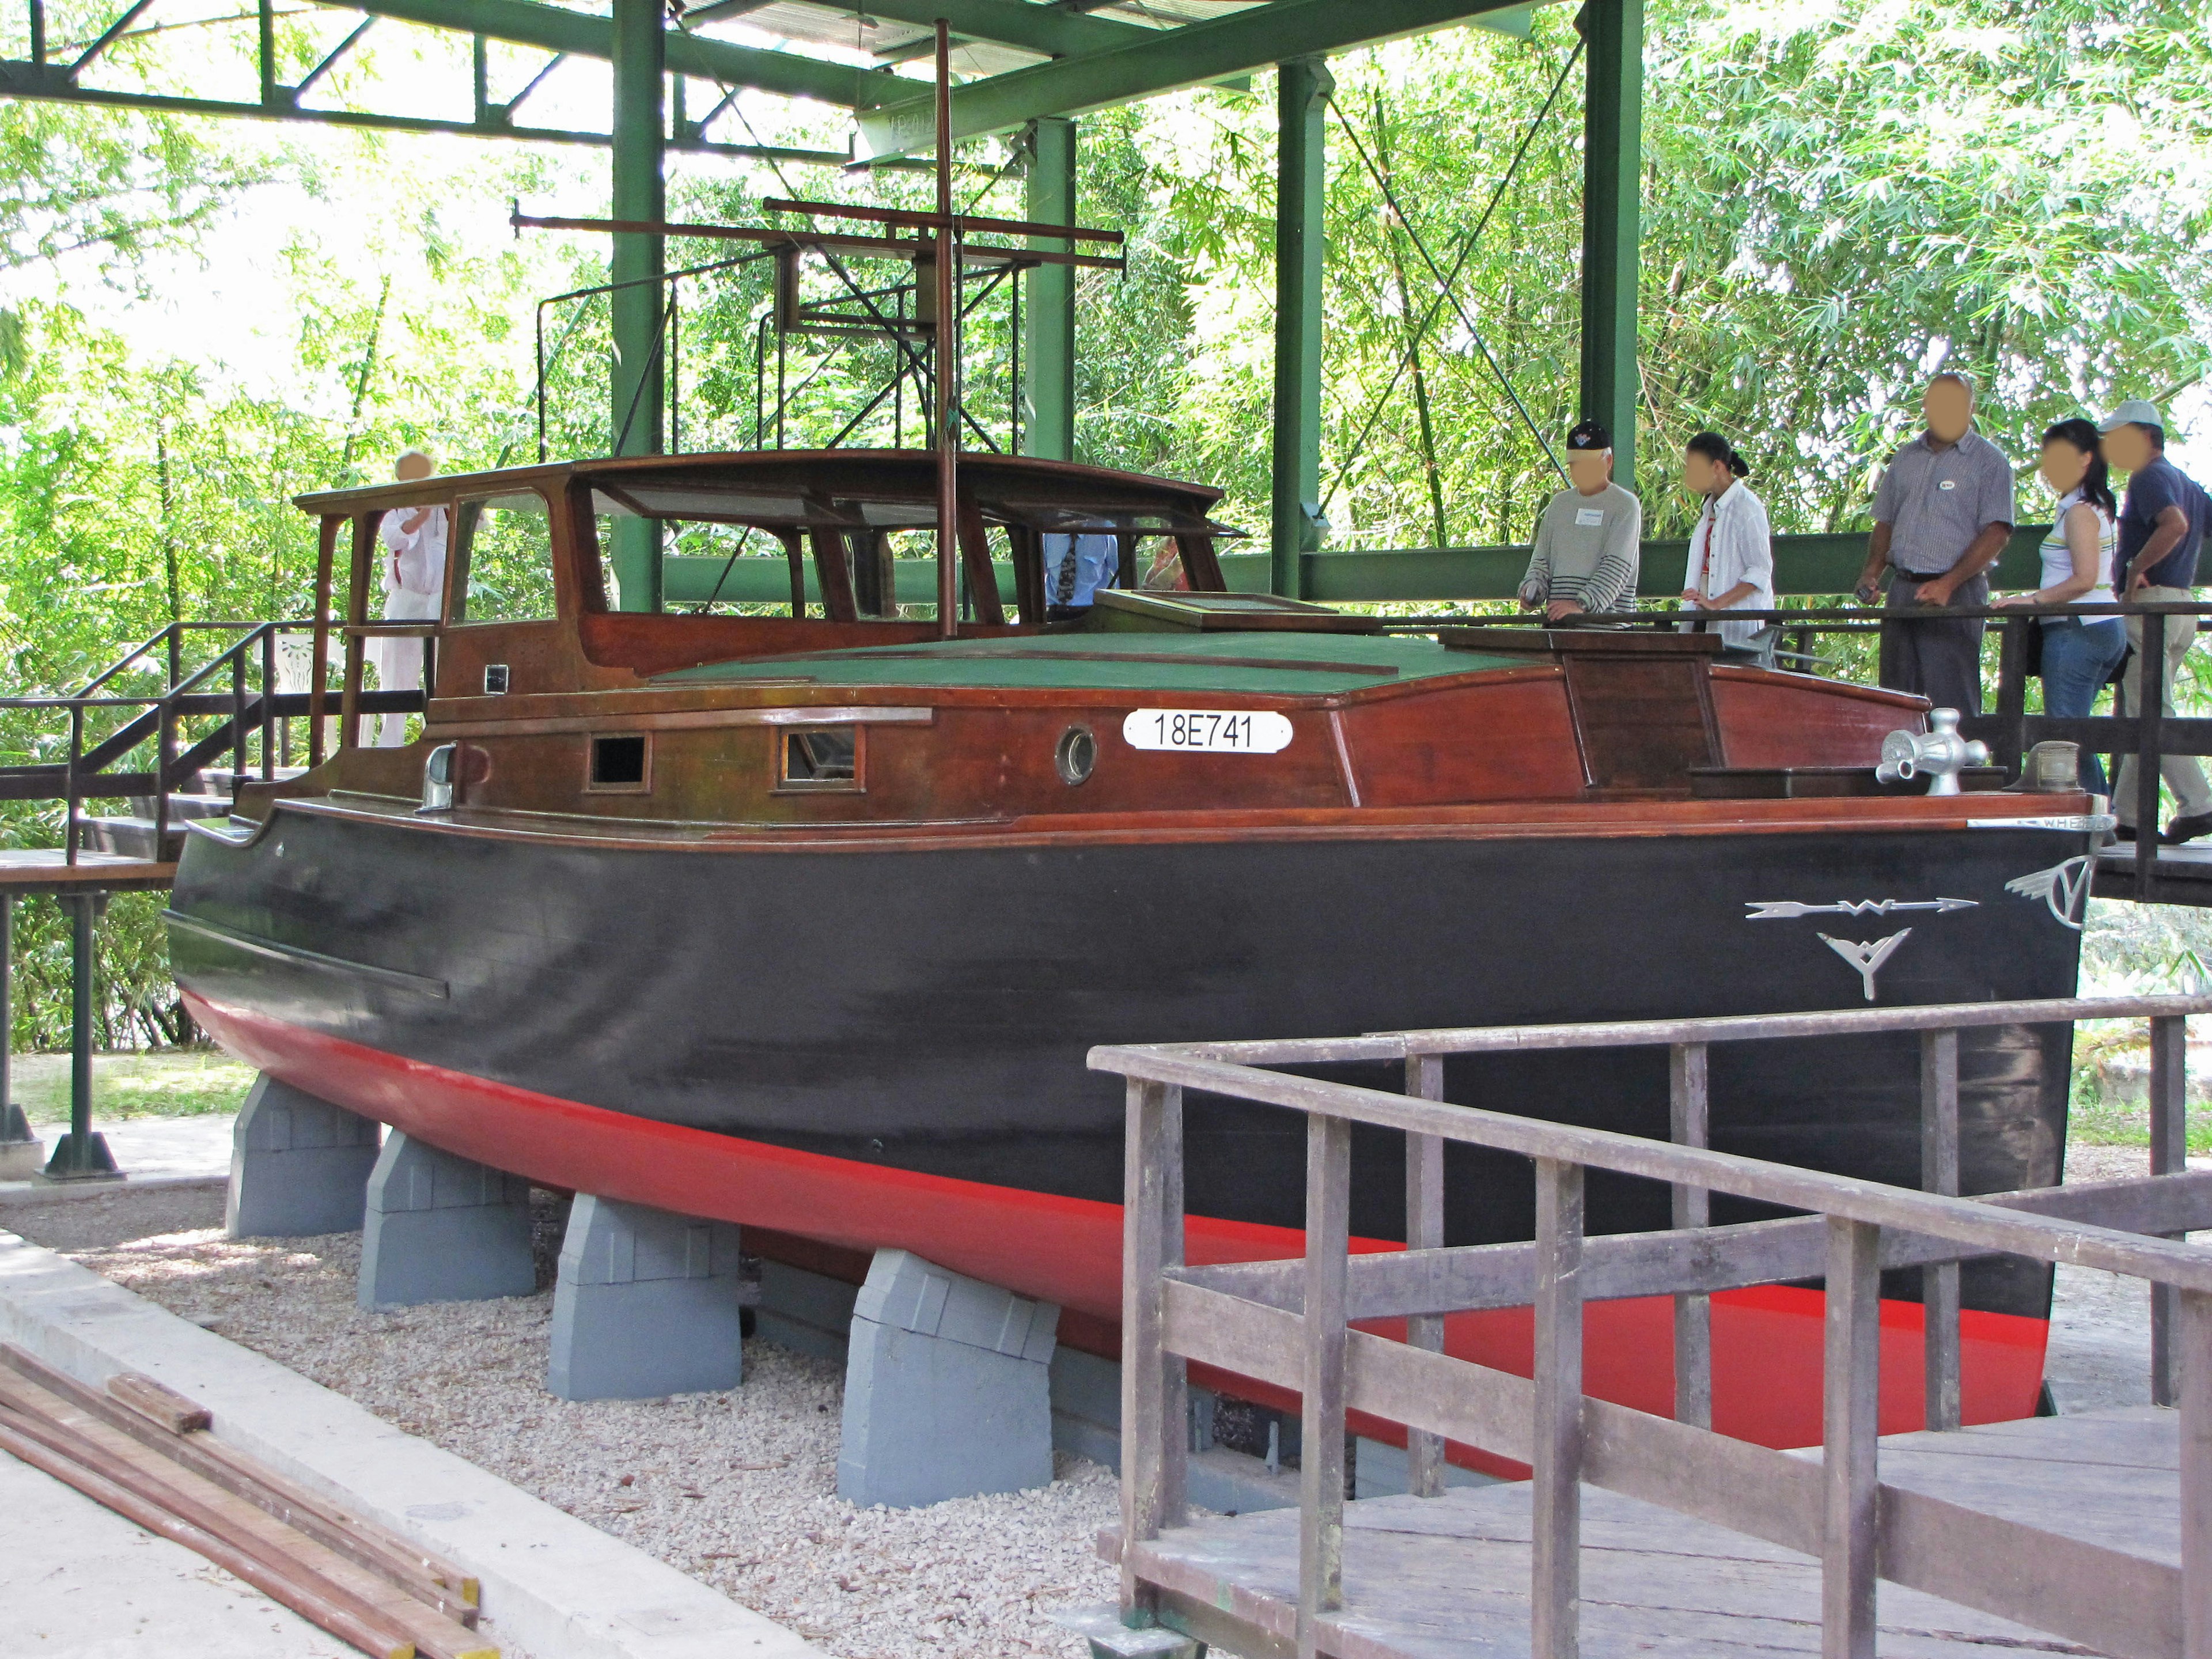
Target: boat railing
column 238, row 687
column 1291, row 1323
column 2010, row 729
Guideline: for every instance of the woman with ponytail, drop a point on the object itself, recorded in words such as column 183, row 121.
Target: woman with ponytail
column 2079, row 653
column 1731, row 552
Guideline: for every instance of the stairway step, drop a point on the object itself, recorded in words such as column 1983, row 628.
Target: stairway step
column 184, row 806
column 130, row 837
column 215, row 780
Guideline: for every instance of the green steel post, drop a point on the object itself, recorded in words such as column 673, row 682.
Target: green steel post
column 1048, row 307
column 82, row 1155
column 1613, row 166
column 1300, row 176
column 640, row 64
column 81, row 969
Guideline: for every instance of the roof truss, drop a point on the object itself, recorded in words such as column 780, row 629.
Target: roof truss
column 1067, row 55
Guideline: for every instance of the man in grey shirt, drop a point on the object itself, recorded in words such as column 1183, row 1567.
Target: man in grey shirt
column 1941, row 516
column 1590, row 539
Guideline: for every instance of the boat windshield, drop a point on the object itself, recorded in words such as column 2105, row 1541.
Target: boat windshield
column 734, row 552
column 504, row 548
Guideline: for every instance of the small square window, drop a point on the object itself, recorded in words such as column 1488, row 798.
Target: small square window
column 821, row 757
column 622, row 764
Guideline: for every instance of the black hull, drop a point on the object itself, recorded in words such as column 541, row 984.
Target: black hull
column 930, row 1011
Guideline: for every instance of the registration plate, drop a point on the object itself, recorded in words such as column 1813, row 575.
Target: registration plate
column 1208, row 731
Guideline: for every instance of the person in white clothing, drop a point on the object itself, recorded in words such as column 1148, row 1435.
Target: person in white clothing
column 2078, row 655
column 1731, row 564
column 414, row 589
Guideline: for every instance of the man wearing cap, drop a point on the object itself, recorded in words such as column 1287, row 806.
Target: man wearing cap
column 1942, row 514
column 1591, row 538
column 2162, row 531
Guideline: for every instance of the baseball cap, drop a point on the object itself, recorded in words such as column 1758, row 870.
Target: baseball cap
column 1591, row 435
column 2136, row 411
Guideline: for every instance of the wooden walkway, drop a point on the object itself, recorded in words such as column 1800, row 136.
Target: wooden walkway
column 25, row 871
column 1448, row 1577
column 2180, row 875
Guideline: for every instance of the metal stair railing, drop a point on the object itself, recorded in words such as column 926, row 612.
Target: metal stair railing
column 89, row 771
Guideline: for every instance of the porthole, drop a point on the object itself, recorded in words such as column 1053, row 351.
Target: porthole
column 620, row 764
column 1076, row 756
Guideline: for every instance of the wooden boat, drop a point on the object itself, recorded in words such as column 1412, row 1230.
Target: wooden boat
column 806, row 920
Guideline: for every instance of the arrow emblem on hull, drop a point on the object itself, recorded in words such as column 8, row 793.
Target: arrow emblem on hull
column 1790, row 909
column 1868, row 957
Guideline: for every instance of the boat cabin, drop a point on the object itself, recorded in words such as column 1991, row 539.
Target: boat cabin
column 539, row 558
column 736, row 639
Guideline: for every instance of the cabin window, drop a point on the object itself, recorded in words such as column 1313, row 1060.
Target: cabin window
column 821, row 757
column 730, row 569
column 621, row 763
column 505, row 559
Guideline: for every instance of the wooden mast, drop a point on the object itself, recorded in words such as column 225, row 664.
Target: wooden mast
column 947, row 352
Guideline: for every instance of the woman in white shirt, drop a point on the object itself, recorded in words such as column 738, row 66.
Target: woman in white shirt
column 2080, row 653
column 1731, row 553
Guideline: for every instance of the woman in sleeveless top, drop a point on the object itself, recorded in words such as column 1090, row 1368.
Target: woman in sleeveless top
column 2080, row 653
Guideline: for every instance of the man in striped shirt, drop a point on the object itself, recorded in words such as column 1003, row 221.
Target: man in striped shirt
column 1589, row 540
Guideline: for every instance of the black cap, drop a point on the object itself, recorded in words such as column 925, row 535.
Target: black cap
column 1590, row 435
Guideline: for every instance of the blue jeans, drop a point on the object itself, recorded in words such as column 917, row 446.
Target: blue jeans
column 2078, row 658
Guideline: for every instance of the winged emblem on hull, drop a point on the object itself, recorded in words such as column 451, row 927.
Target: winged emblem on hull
column 2063, row 887
column 1868, row 957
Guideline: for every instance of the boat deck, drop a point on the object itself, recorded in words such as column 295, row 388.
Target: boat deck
column 25, row 871
column 1448, row 1577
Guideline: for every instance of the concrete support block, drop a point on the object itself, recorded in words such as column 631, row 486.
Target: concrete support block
column 1379, row 1470
column 946, row 1388
column 807, row 1312
column 23, row 1154
column 443, row 1229
column 298, row 1166
column 1086, row 1421
column 646, row 1305
column 1109, row 1638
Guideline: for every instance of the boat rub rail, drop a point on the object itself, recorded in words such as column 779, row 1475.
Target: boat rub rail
column 1487, row 821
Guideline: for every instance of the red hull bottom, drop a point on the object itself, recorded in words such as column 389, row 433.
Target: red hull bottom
column 1767, row 1341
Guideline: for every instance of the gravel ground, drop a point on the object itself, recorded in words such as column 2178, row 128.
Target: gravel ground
column 738, row 1489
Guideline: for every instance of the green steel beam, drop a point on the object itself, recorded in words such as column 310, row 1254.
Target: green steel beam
column 640, row 74
column 1192, row 55
column 1017, row 24
column 1805, row 566
column 20, row 80
column 1613, row 166
column 525, row 23
column 1302, row 88
column 1048, row 299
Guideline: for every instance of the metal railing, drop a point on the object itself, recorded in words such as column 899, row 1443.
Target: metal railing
column 247, row 711
column 1289, row 1323
column 2148, row 737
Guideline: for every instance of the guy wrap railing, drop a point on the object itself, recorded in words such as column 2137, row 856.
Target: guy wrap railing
column 239, row 688
column 1288, row 1323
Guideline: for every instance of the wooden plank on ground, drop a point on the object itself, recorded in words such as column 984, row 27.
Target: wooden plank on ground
column 72, row 1433
column 295, row 1590
column 436, row 1582
column 161, row 1404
